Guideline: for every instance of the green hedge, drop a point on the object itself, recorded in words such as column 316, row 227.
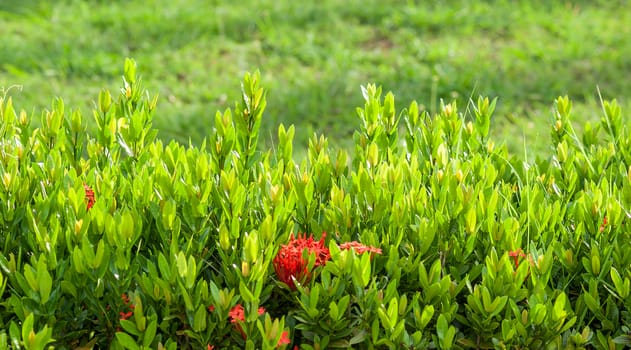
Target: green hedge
column 428, row 236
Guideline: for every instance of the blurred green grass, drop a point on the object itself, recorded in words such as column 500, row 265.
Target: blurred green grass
column 314, row 56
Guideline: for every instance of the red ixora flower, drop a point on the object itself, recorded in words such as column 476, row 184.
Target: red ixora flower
column 126, row 315
column 289, row 264
column 516, row 254
column 360, row 248
column 237, row 315
column 284, row 339
column 89, row 196
column 604, row 224
column 210, row 347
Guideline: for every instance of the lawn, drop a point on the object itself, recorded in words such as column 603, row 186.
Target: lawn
column 314, row 57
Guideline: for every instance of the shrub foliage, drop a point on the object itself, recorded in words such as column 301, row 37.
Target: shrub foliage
column 428, row 236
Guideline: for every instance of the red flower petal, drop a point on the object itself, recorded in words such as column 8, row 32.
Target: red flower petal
column 359, row 248
column 604, row 224
column 289, row 264
column 516, row 254
column 237, row 314
column 89, row 196
column 284, row 339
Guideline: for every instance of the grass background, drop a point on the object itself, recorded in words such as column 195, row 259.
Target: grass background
column 314, row 56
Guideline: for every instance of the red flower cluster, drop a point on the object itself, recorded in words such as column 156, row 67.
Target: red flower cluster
column 289, row 264
column 516, row 254
column 89, row 196
column 126, row 315
column 604, row 224
column 291, row 267
column 360, row 248
column 237, row 315
column 284, row 339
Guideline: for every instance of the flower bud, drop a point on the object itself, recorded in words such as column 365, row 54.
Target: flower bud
column 275, row 193
column 448, row 110
column 19, row 150
column 562, row 152
column 77, row 226
column 23, row 118
column 469, row 128
column 224, row 237
column 245, row 268
column 569, row 257
column 459, row 175
column 490, row 146
column 6, row 180
column 373, row 155
column 442, row 155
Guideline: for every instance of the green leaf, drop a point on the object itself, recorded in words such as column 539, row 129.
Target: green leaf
column 361, row 270
column 139, row 316
column 334, row 312
column 470, row 220
column 538, row 314
column 130, row 327
column 623, row 339
column 393, row 311
column 3, row 341
column 150, row 333
column 359, row 337
column 100, row 254
column 622, row 287
column 182, row 267
column 31, row 278
column 126, row 226
column 251, row 247
column 445, row 332
column 127, row 341
column 105, row 101
column 42, row 338
column 385, row 320
column 27, row 327
column 558, row 311
column 591, row 302
column 508, row 331
column 199, row 320
column 165, row 268
column 498, row 305
column 246, row 294
column 130, row 70
column 186, row 296
column 191, row 272
column 168, row 213
column 426, row 315
column 314, row 295
column 45, row 281
column 14, row 334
